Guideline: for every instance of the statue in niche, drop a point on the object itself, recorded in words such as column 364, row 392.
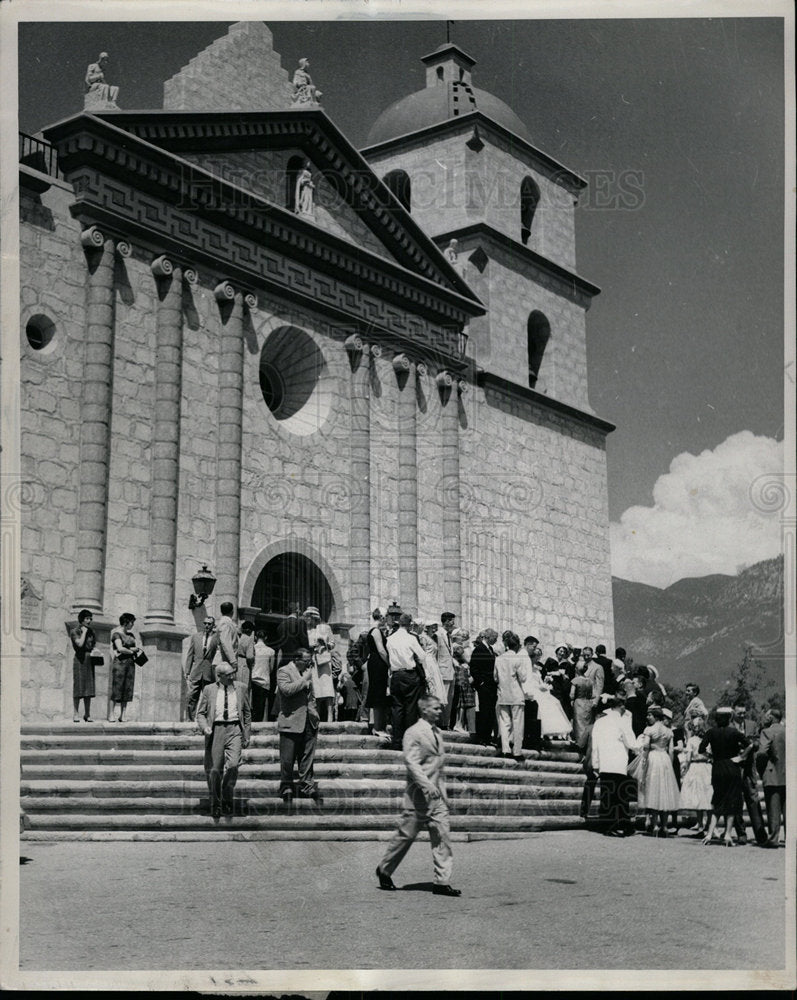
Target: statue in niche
column 305, row 188
column 99, row 95
column 304, row 92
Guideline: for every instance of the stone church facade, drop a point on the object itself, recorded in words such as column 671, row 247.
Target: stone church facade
column 339, row 407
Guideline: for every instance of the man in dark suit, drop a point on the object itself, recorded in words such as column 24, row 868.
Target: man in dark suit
column 482, row 673
column 609, row 683
column 224, row 716
column 749, row 779
column 198, row 667
column 771, row 764
column 297, row 723
column 291, row 635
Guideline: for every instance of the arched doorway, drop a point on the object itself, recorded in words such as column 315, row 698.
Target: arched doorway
column 292, row 578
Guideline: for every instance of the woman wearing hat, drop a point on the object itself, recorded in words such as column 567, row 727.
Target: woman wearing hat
column 126, row 648
column 658, row 789
column 322, row 642
column 727, row 744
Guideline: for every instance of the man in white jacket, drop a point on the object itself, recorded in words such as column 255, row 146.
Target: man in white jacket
column 612, row 739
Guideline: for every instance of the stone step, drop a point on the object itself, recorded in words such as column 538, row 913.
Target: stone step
column 193, row 757
column 269, row 771
column 266, row 805
column 284, row 821
column 71, row 789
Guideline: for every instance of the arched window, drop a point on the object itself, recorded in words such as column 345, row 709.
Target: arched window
column 292, row 172
column 538, row 333
column 529, row 199
column 398, row 182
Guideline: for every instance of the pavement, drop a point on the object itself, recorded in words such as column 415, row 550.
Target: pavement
column 553, row 900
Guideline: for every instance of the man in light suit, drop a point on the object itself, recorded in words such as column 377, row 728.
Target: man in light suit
column 425, row 802
column 297, row 723
column 445, row 660
column 612, row 738
column 771, row 764
column 225, row 719
column 198, row 668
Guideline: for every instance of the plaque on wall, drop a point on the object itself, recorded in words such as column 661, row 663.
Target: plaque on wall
column 30, row 606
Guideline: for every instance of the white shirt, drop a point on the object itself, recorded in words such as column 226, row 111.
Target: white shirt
column 612, row 738
column 232, row 704
column 400, row 647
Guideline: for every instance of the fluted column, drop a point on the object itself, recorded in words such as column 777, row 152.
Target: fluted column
column 408, row 484
column 452, row 559
column 360, row 506
column 228, row 476
column 165, row 442
column 95, row 416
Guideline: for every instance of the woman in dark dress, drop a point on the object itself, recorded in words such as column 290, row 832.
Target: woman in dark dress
column 377, row 697
column 727, row 744
column 83, row 642
column 126, row 648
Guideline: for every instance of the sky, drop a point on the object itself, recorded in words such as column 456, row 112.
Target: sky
column 685, row 341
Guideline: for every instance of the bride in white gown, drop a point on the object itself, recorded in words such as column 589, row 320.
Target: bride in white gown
column 553, row 721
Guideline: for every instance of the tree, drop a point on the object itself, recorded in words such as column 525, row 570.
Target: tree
column 745, row 685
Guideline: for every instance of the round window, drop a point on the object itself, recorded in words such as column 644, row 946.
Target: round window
column 40, row 332
column 295, row 380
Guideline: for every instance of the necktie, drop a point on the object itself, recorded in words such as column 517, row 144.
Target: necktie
column 205, row 645
column 225, row 703
column 436, row 732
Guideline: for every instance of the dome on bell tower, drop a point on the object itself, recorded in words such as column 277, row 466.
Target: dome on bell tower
column 448, row 94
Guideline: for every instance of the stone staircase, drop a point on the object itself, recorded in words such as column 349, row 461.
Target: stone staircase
column 138, row 781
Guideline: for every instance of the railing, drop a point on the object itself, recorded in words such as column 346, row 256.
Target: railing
column 39, row 155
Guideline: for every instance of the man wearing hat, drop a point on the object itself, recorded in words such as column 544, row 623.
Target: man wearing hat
column 612, row 738
column 198, row 667
column 297, row 723
column 224, row 717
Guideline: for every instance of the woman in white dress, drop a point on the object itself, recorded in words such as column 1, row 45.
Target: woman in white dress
column 322, row 642
column 696, row 789
column 553, row 721
column 433, row 679
column 657, row 790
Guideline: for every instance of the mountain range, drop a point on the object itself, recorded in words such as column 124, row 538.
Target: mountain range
column 697, row 629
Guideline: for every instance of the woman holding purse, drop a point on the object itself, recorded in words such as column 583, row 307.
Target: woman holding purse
column 83, row 642
column 127, row 652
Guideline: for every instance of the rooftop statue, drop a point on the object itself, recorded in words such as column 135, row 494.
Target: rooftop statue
column 304, row 92
column 99, row 96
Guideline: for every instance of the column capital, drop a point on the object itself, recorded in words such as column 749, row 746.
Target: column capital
column 354, row 344
column 421, row 368
column 462, row 387
column 444, row 379
column 162, row 267
column 92, row 238
column 401, row 363
column 226, row 291
column 376, row 351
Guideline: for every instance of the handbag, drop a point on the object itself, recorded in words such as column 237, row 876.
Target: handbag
column 96, row 659
column 140, row 659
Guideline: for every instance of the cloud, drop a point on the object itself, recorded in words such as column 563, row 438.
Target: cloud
column 711, row 513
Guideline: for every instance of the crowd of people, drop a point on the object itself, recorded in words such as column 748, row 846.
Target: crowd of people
column 499, row 691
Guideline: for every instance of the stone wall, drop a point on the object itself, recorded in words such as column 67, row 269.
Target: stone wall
column 238, row 72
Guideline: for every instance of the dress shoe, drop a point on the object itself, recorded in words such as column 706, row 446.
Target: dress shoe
column 87, row 718
column 215, row 812
column 287, row 797
column 446, row 890
column 226, row 808
column 385, row 881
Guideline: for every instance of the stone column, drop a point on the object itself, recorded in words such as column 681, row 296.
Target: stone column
column 408, row 484
column 360, row 493
column 165, row 443
column 228, row 476
column 452, row 560
column 95, row 416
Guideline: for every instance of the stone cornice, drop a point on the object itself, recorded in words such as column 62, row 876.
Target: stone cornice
column 170, row 205
column 570, row 281
column 464, row 123
column 488, row 379
column 312, row 131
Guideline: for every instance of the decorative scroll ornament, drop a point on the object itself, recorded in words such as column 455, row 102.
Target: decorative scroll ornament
column 224, row 291
column 376, row 351
column 401, row 363
column 190, row 276
column 250, row 300
column 123, row 248
column 462, row 387
column 162, row 267
column 421, row 369
column 92, row 238
column 444, row 380
column 354, row 344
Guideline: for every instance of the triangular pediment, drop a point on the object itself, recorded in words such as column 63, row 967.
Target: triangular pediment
column 259, row 152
